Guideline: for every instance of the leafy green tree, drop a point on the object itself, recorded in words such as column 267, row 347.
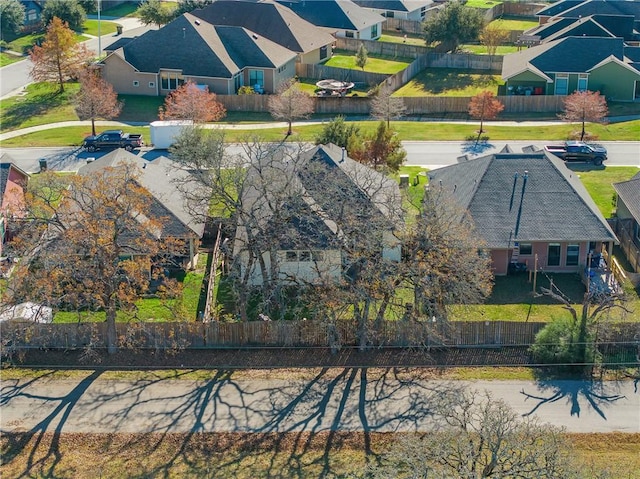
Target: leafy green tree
column 338, row 132
column 186, row 6
column 153, row 12
column 453, row 25
column 68, row 11
column 89, row 6
column 11, row 17
column 362, row 56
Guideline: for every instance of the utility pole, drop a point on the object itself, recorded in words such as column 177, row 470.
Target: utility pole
column 99, row 40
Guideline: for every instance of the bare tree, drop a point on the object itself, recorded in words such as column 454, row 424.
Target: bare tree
column 189, row 102
column 290, row 103
column 476, row 436
column 384, row 106
column 96, row 99
column 484, row 106
column 492, row 37
column 60, row 58
column 584, row 106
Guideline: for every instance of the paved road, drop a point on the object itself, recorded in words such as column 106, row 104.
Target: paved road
column 429, row 154
column 347, row 401
column 15, row 76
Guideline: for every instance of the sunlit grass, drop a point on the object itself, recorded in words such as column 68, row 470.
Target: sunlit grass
column 449, row 82
column 347, row 59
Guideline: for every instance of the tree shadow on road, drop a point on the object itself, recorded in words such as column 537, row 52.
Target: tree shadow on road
column 577, row 393
column 43, row 458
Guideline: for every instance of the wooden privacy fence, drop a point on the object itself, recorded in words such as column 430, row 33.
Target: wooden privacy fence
column 182, row 335
column 261, row 334
column 322, row 72
column 414, row 105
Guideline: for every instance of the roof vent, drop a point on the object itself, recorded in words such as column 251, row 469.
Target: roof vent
column 197, row 22
column 184, row 33
column 255, row 37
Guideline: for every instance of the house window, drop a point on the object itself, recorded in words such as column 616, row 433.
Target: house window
column 562, row 84
column 526, row 249
column 389, row 14
column 136, row 83
column 348, row 34
column 171, row 80
column 256, row 77
column 305, row 255
column 323, row 52
column 32, row 15
column 573, row 253
column 374, row 31
column 553, row 254
column 291, row 256
column 152, row 84
column 582, row 82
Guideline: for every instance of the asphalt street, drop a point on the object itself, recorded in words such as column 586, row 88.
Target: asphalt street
column 430, row 154
column 344, row 401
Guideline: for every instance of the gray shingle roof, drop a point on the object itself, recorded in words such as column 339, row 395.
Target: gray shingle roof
column 159, row 178
column 592, row 26
column 202, row 49
column 603, row 7
column 558, row 8
column 553, row 205
column 395, row 5
column 566, row 55
column 629, row 193
column 333, row 14
column 268, row 19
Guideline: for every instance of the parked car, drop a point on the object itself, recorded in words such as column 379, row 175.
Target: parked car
column 113, row 139
column 579, row 151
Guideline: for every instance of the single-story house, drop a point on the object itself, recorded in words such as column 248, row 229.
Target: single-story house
column 414, row 10
column 32, row 14
column 529, row 209
column 614, row 26
column 13, row 182
column 274, row 22
column 315, row 211
column 342, row 18
column 222, row 57
column 628, row 217
column 586, row 8
column 566, row 65
column 162, row 178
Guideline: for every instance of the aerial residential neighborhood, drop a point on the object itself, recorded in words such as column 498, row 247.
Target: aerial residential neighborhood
column 320, row 238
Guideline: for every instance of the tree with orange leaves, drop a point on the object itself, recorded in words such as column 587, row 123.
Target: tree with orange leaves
column 190, row 102
column 89, row 243
column 96, row 99
column 59, row 58
column 484, row 106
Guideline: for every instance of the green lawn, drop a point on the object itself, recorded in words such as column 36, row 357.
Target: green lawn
column 7, row 59
column 481, row 3
column 512, row 23
column 184, row 308
column 41, row 105
column 91, row 27
column 408, row 130
column 450, row 82
column 125, row 9
column 386, row 65
column 482, row 50
column 599, row 185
